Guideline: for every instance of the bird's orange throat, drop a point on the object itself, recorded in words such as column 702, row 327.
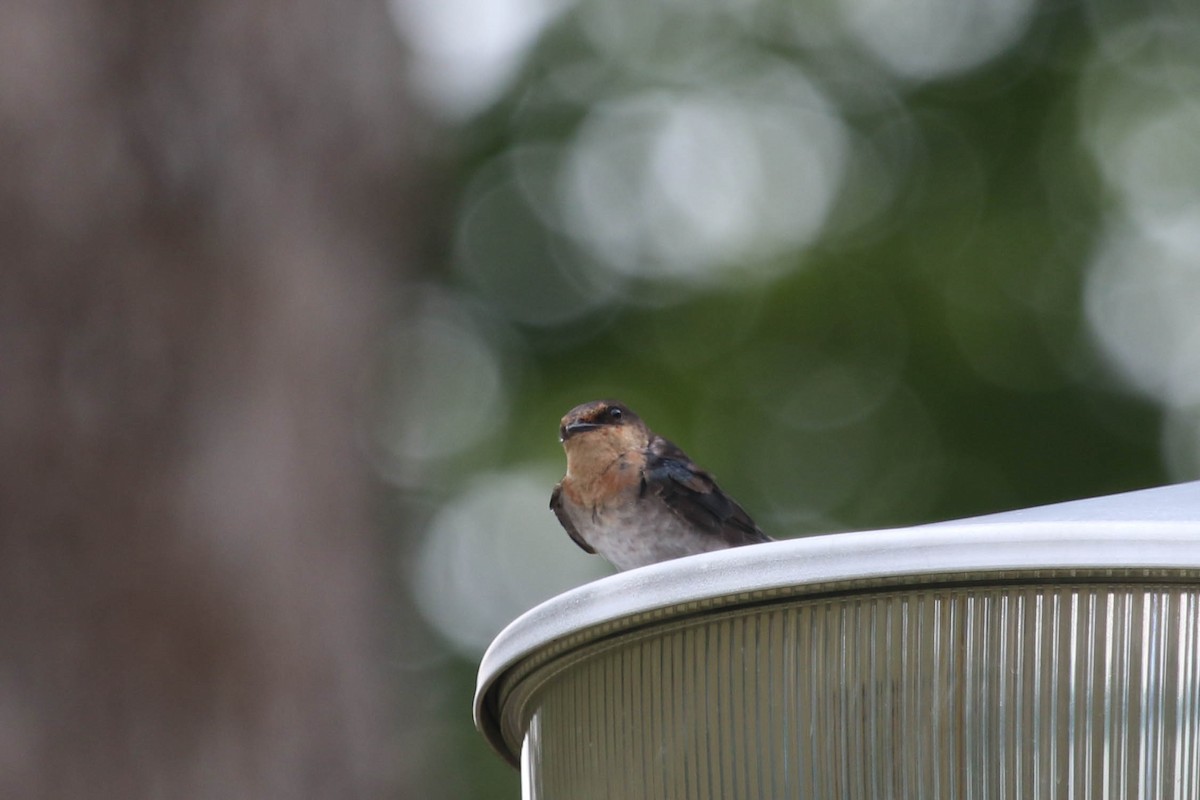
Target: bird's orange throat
column 593, row 453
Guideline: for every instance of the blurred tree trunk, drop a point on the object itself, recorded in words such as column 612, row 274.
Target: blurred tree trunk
column 196, row 216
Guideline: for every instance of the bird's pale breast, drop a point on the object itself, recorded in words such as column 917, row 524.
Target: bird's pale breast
column 633, row 531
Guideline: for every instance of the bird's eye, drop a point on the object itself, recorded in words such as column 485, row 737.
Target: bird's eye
column 614, row 413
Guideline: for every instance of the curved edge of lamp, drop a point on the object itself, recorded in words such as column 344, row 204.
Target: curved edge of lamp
column 1155, row 530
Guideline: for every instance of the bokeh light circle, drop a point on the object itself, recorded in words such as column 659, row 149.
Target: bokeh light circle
column 702, row 184
column 492, row 553
column 930, row 39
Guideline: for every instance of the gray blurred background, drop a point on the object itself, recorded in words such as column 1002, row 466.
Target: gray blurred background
column 294, row 295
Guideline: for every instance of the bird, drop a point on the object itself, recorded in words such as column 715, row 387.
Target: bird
column 634, row 497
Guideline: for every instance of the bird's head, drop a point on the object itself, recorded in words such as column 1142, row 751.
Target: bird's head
column 602, row 425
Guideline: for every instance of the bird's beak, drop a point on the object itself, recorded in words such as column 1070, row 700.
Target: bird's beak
column 572, row 428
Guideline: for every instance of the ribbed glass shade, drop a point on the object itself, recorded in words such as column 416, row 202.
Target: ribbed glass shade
column 1044, row 653
column 1088, row 691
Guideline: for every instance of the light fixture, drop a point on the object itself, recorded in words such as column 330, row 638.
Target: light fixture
column 1045, row 653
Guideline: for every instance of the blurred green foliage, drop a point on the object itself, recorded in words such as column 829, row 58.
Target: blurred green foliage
column 888, row 321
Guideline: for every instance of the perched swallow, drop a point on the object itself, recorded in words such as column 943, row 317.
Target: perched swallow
column 634, row 497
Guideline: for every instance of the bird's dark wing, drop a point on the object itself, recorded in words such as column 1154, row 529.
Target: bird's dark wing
column 556, row 506
column 693, row 495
